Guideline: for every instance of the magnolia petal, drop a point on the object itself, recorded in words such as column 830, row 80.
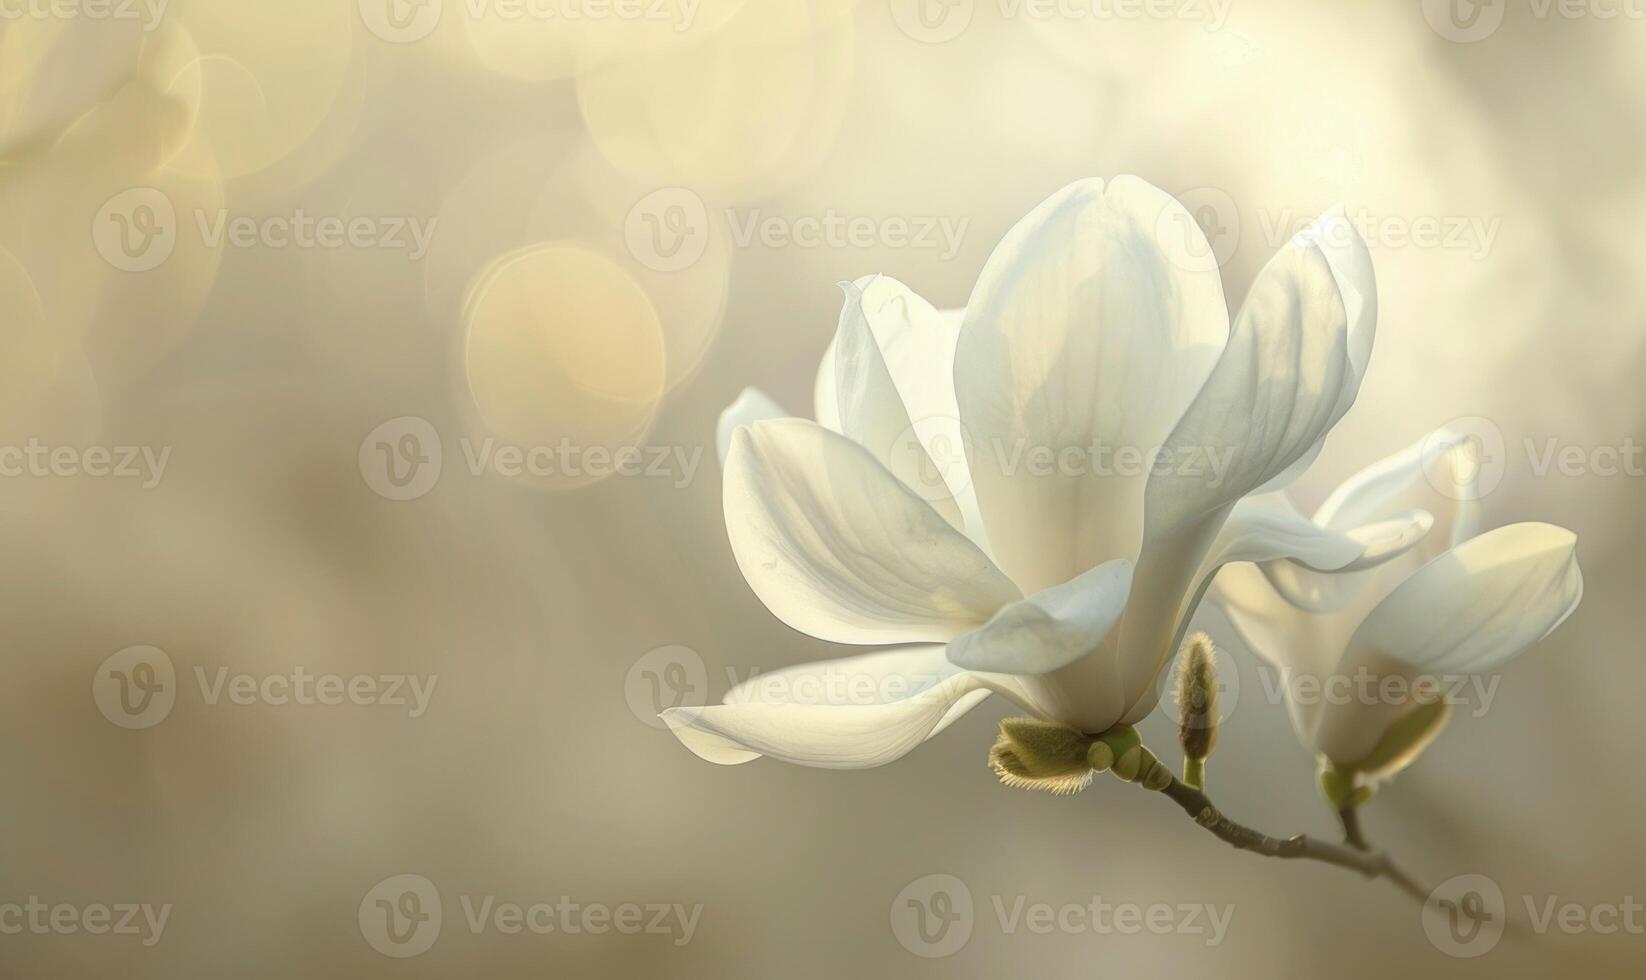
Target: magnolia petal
column 825, row 394
column 1270, row 533
column 879, row 409
column 824, row 736
column 881, row 677
column 1093, row 323
column 1302, row 646
column 1404, row 740
column 855, row 723
column 1050, row 629
column 838, row 548
column 1433, row 476
column 1268, row 528
column 751, row 406
column 1282, row 382
column 1351, row 266
column 1471, row 610
column 1277, row 389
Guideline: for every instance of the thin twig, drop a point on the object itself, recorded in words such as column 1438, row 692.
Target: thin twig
column 1298, row 847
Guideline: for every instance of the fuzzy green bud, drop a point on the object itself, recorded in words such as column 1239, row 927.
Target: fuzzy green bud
column 1197, row 697
column 1044, row 755
column 1197, row 715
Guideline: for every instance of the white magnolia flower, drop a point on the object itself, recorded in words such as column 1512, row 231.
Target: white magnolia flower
column 1365, row 657
column 1099, row 321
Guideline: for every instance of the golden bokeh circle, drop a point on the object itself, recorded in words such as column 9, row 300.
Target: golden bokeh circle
column 563, row 349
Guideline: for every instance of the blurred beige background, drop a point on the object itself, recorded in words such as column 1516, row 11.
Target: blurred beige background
column 631, row 211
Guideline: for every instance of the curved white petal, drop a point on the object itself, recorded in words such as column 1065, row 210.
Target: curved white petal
column 1433, row 476
column 866, row 711
column 1351, row 266
column 838, row 548
column 1300, row 618
column 1269, row 533
column 751, row 406
column 1351, row 263
column 1050, row 629
column 881, row 677
column 1283, row 381
column 1091, row 327
column 825, row 394
column 1471, row 610
column 1303, row 646
column 1268, row 528
column 894, row 368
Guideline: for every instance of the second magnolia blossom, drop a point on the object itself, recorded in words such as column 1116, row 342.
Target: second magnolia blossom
column 1459, row 603
column 1098, row 320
